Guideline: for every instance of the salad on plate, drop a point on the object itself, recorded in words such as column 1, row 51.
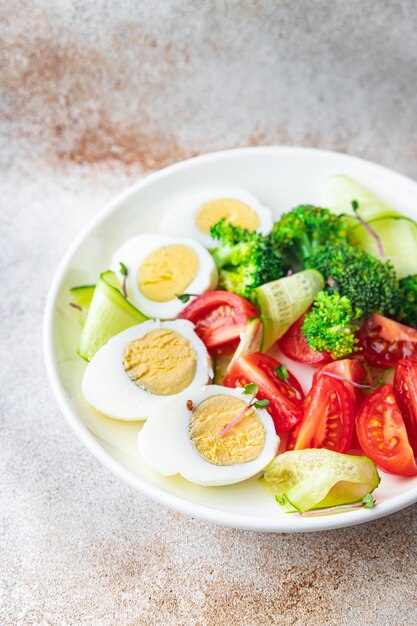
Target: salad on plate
column 195, row 331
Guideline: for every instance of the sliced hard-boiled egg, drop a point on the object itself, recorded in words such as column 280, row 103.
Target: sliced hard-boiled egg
column 159, row 268
column 186, row 437
column 141, row 368
column 196, row 212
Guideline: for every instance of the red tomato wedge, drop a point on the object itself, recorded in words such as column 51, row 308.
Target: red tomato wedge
column 328, row 417
column 285, row 396
column 350, row 370
column 405, row 390
column 384, row 342
column 294, row 345
column 219, row 318
column 382, row 434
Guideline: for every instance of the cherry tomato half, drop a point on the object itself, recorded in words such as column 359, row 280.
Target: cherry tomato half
column 285, row 396
column 294, row 345
column 219, row 318
column 328, row 417
column 385, row 342
column 405, row 390
column 349, row 369
column 382, row 434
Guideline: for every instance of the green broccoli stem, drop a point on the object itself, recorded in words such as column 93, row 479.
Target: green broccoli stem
column 223, row 256
column 305, row 246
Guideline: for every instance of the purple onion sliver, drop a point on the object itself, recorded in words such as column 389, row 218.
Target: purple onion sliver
column 372, row 233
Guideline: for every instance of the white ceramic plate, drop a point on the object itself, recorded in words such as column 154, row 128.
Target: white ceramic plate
column 281, row 177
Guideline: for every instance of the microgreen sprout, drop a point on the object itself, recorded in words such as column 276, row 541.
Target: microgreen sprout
column 355, row 207
column 368, row 501
column 281, row 500
column 250, row 390
column 348, row 380
column 76, row 306
column 184, row 297
column 123, row 270
column 365, row 388
column 281, row 372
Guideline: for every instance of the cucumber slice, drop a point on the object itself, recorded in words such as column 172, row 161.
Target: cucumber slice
column 251, row 339
column 82, row 295
column 108, row 315
column 250, row 342
column 221, row 364
column 283, row 301
column 320, row 478
column 399, row 241
column 337, row 193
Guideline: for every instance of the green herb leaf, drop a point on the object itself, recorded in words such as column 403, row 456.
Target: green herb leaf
column 123, row 269
column 184, row 297
column 250, row 390
column 281, row 372
column 281, row 500
column 261, row 404
column 369, row 501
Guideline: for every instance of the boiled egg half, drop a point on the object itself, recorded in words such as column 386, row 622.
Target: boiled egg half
column 141, row 368
column 185, row 438
column 196, row 212
column 159, row 268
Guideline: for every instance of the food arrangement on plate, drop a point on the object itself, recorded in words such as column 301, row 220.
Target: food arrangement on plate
column 186, row 330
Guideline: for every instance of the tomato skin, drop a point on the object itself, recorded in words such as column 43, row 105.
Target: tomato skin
column 294, row 346
column 351, row 369
column 384, row 341
column 405, row 390
column 219, row 318
column 284, row 406
column 328, row 419
column 382, row 434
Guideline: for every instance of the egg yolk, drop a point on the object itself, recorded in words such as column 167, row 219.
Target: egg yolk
column 243, row 443
column 162, row 362
column 234, row 211
column 167, row 272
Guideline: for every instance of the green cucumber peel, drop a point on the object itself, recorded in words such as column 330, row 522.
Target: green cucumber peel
column 398, row 236
column 250, row 342
column 282, row 302
column 338, row 191
column 82, row 295
column 109, row 313
column 315, row 479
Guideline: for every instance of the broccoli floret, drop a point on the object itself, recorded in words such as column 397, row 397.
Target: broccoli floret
column 300, row 232
column 370, row 284
column 406, row 311
column 245, row 260
column 329, row 326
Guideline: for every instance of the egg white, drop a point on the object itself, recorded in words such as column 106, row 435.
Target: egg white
column 179, row 219
column 134, row 252
column 165, row 444
column 108, row 388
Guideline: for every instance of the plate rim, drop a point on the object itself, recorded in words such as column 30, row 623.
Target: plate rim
column 156, row 493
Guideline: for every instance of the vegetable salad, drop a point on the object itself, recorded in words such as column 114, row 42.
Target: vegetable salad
column 183, row 332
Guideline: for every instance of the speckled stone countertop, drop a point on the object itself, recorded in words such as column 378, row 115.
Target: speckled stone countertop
column 93, row 96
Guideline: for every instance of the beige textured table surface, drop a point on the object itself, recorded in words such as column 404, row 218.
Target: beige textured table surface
column 95, row 95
